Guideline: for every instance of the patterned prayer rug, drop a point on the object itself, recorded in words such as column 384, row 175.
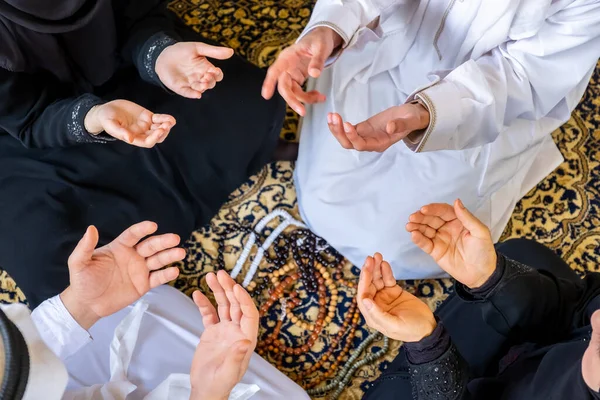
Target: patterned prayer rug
column 562, row 212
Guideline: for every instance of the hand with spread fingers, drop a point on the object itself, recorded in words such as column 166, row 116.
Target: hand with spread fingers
column 228, row 340
column 296, row 63
column 460, row 243
column 129, row 122
column 107, row 279
column 381, row 131
column 388, row 308
column 184, row 67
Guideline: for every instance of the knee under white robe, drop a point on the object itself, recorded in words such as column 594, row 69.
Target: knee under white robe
column 153, row 341
column 497, row 77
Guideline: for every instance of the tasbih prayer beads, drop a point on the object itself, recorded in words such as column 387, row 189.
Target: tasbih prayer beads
column 340, row 382
column 301, row 258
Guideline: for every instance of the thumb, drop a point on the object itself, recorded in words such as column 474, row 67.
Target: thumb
column 85, row 249
column 317, row 62
column 234, row 365
column 376, row 317
column 470, row 222
column 217, row 52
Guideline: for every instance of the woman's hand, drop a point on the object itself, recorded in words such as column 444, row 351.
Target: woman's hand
column 296, row 63
column 129, row 122
column 381, row 131
column 460, row 243
column 228, row 340
column 388, row 308
column 185, row 69
column 108, row 279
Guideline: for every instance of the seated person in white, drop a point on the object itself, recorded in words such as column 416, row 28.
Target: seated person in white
column 118, row 333
column 423, row 101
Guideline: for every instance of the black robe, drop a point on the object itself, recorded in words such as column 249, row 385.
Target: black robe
column 56, row 179
column 521, row 336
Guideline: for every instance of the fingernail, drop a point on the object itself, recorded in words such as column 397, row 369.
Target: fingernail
column 346, row 128
column 368, row 304
column 329, row 118
column 460, row 204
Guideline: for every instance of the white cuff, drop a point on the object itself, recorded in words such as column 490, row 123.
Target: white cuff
column 336, row 17
column 443, row 101
column 59, row 330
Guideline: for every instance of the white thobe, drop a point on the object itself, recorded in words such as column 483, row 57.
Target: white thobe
column 144, row 352
column 497, row 77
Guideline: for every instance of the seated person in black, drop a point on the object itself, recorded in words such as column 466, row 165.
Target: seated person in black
column 520, row 325
column 89, row 91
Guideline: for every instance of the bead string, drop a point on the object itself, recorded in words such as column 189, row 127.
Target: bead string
column 300, row 258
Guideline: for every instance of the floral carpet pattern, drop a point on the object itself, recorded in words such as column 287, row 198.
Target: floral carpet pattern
column 562, row 212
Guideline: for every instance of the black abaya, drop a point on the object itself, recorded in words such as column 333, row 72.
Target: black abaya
column 50, row 192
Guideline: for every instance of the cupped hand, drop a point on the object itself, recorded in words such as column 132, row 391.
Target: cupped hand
column 129, row 122
column 184, row 67
column 296, row 63
column 388, row 308
column 108, row 279
column 381, row 131
column 460, row 243
column 228, row 340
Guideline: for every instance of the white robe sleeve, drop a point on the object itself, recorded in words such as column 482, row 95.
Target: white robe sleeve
column 533, row 78
column 58, row 329
column 346, row 17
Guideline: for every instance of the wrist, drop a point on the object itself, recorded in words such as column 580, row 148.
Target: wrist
column 427, row 329
column 422, row 113
column 91, row 122
column 83, row 315
column 486, row 274
column 330, row 35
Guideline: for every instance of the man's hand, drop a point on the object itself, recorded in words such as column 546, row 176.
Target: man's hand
column 389, row 308
column 185, row 69
column 129, row 122
column 460, row 243
column 228, row 340
column 381, row 131
column 296, row 63
column 108, row 279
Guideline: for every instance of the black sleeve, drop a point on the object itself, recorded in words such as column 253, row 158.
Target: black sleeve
column 145, row 35
column 437, row 370
column 39, row 112
column 531, row 305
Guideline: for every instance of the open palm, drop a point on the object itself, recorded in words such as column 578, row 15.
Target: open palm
column 460, row 244
column 185, row 69
column 132, row 123
column 228, row 340
column 389, row 308
column 296, row 63
column 380, row 131
column 112, row 277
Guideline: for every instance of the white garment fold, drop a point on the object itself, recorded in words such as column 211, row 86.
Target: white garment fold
column 144, row 352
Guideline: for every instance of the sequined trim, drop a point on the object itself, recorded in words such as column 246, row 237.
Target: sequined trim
column 442, row 379
column 75, row 127
column 156, row 44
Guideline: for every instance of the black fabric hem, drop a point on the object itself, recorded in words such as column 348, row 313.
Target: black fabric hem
column 506, row 270
column 149, row 54
column 430, row 347
column 76, row 125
